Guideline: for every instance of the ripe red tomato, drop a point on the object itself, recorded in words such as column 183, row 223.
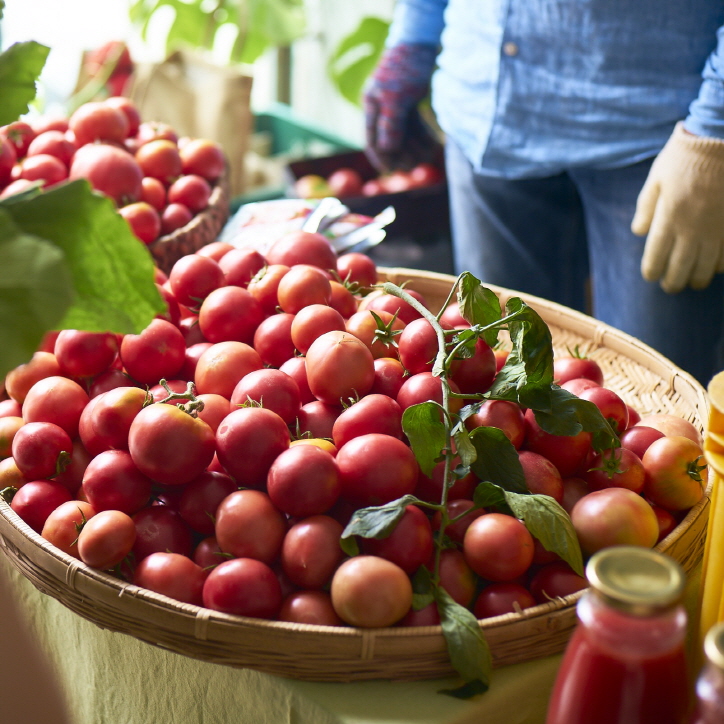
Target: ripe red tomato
column 247, row 443
column 62, row 526
column 390, row 303
column 192, row 191
column 457, row 577
column 193, row 277
column 249, row 525
column 676, row 473
column 296, row 368
column 230, row 314
column 8, row 158
column 169, row 445
column 357, row 268
column 310, row 607
column 418, row 346
column 303, row 247
column 612, row 407
column 106, row 539
column 245, row 587
column 570, row 367
column 313, row 321
column 475, row 374
column 240, row 266
column 317, row 419
column 98, row 121
column 423, row 387
column 111, row 416
column 160, row 528
column 222, row 365
column 373, row 413
column 370, row 592
column 425, row 174
column 503, row 414
column 172, row 575
column 303, row 481
column 20, row 134
column 263, row 287
column 9, row 425
column 498, row 547
column 110, row 170
column 389, row 376
column 621, row 468
column 85, row 354
column 638, row 438
column 160, row 159
column 37, row 499
column 175, row 216
column 375, row 469
column 301, row 286
column 113, row 482
column 40, row 449
column 273, row 339
column 20, row 379
column 344, row 182
column 339, row 366
column 157, row 353
column 555, row 580
column 203, row 157
column 273, row 389
column 155, row 130
column 614, row 516
column 153, row 192
column 410, row 545
column 56, row 399
column 498, row 599
column 54, row 143
column 311, row 552
column 363, row 325
column 129, row 110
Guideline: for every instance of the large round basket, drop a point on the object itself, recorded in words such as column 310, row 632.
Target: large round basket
column 201, row 230
column 645, row 379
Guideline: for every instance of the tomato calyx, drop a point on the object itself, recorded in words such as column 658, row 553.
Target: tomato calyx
column 385, row 334
column 610, row 463
column 192, row 405
column 62, row 462
column 79, row 526
column 7, row 494
column 693, row 469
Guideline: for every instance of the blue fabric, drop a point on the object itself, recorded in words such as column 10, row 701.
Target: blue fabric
column 541, row 235
column 535, row 87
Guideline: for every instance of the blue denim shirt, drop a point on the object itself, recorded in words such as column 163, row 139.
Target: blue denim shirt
column 532, row 87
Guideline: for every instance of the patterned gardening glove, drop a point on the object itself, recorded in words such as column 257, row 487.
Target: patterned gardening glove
column 681, row 208
column 397, row 137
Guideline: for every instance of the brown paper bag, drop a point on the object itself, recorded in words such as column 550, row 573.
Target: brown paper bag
column 200, row 100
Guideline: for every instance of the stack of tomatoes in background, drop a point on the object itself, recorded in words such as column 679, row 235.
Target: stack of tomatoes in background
column 159, row 181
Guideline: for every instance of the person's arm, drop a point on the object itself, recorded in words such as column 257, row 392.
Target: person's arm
column 396, row 135
column 681, row 206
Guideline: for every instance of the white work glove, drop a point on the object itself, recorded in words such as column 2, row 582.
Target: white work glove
column 681, row 208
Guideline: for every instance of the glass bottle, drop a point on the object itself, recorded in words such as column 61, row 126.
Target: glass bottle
column 710, row 684
column 626, row 662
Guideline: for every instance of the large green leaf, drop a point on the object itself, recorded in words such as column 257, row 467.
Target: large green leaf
column 356, row 57
column 35, row 292
column 20, row 68
column 111, row 271
column 192, row 27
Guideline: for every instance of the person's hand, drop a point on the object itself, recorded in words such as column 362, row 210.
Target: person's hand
column 397, row 137
column 681, row 208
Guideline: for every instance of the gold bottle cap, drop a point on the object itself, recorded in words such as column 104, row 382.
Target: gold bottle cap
column 714, row 645
column 637, row 580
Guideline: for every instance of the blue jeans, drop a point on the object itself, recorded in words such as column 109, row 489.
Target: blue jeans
column 552, row 236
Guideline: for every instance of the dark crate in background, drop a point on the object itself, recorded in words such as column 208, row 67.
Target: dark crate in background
column 419, row 238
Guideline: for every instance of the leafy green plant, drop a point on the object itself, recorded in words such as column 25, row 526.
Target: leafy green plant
column 67, row 259
column 356, row 56
column 257, row 24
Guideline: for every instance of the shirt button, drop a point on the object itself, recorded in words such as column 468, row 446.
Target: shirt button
column 510, row 48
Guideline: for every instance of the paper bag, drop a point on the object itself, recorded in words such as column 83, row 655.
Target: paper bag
column 200, row 100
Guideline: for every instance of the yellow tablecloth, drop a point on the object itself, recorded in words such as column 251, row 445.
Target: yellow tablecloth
column 111, row 678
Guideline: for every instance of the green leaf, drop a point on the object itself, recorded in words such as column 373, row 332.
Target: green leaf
column 112, row 272
column 423, row 425
column 356, row 56
column 376, row 521
column 497, row 459
column 479, row 305
column 468, row 650
column 567, row 414
column 35, row 292
column 550, row 524
column 192, row 26
column 489, row 495
column 527, row 375
column 20, row 67
column 464, row 445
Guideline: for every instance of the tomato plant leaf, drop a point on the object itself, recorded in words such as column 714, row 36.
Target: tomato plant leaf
column 497, row 459
column 111, row 271
column 550, row 524
column 527, row 375
column 20, row 67
column 423, row 425
column 468, row 650
column 567, row 414
column 478, row 305
column 35, row 292
column 464, row 445
column 488, row 495
column 376, row 521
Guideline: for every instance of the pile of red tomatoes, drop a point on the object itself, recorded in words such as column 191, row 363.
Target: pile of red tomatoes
column 159, row 181
column 217, row 456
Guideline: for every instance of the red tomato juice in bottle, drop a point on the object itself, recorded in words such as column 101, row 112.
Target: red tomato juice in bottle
column 625, row 663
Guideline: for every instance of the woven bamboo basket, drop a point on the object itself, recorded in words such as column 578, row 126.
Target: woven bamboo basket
column 645, row 379
column 202, row 229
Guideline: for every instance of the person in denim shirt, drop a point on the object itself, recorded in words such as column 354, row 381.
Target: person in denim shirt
column 584, row 141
